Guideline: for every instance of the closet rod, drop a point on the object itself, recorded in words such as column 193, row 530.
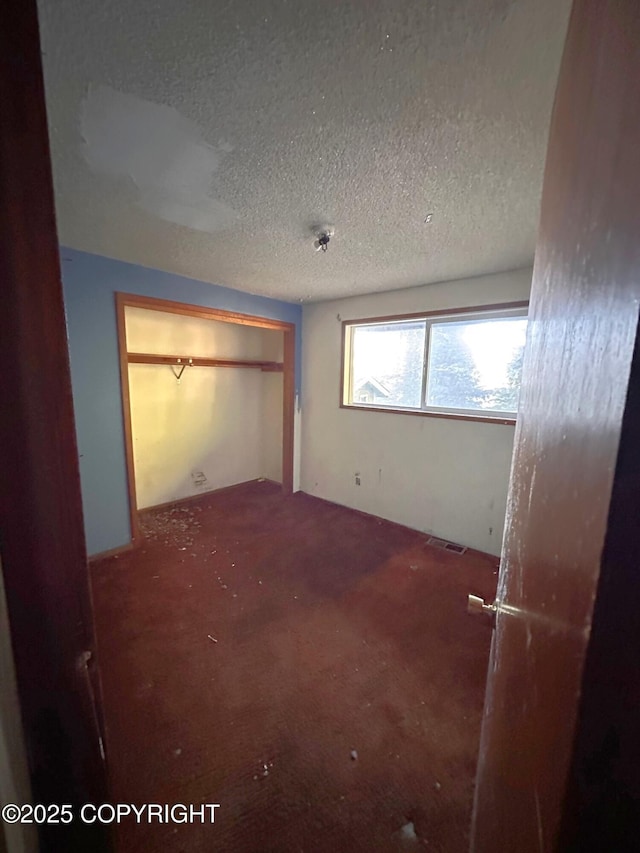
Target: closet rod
column 197, row 361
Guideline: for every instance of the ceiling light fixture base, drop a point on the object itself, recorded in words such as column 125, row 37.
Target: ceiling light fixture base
column 323, row 236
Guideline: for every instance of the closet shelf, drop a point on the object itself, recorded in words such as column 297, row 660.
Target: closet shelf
column 197, row 361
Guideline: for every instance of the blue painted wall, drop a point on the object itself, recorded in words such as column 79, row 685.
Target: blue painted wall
column 90, row 282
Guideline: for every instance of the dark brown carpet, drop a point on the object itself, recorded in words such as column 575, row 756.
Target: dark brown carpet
column 344, row 661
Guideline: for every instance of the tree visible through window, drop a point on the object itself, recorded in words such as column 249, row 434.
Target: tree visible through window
column 457, row 364
column 387, row 363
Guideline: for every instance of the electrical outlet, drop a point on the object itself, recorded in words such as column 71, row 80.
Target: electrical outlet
column 357, row 476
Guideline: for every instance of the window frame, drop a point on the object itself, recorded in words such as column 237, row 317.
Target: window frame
column 477, row 312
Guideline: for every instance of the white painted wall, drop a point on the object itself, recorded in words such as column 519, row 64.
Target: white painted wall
column 272, row 403
column 218, row 426
column 437, row 475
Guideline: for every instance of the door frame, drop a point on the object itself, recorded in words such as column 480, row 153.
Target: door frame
column 44, row 566
column 166, row 306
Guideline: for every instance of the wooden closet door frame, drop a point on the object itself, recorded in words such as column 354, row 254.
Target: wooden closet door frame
column 129, row 300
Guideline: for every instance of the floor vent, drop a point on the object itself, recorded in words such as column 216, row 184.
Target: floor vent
column 445, row 546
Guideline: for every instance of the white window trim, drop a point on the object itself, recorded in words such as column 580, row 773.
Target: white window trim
column 481, row 313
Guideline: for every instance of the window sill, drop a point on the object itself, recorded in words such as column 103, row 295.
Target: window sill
column 485, row 419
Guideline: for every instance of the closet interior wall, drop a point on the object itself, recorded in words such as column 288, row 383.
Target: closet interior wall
column 216, row 426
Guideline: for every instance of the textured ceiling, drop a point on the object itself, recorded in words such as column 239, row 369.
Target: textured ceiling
column 209, row 138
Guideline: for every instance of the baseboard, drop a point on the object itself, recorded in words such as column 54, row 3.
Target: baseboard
column 202, row 495
column 493, row 557
column 112, row 552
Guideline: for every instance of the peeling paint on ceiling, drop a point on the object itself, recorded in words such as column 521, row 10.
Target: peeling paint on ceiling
column 161, row 152
column 209, row 138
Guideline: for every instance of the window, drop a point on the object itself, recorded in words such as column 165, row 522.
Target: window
column 468, row 363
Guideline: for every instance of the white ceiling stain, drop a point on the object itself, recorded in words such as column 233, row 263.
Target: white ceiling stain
column 162, row 152
column 209, row 138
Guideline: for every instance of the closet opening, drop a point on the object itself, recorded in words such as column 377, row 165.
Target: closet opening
column 207, row 400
